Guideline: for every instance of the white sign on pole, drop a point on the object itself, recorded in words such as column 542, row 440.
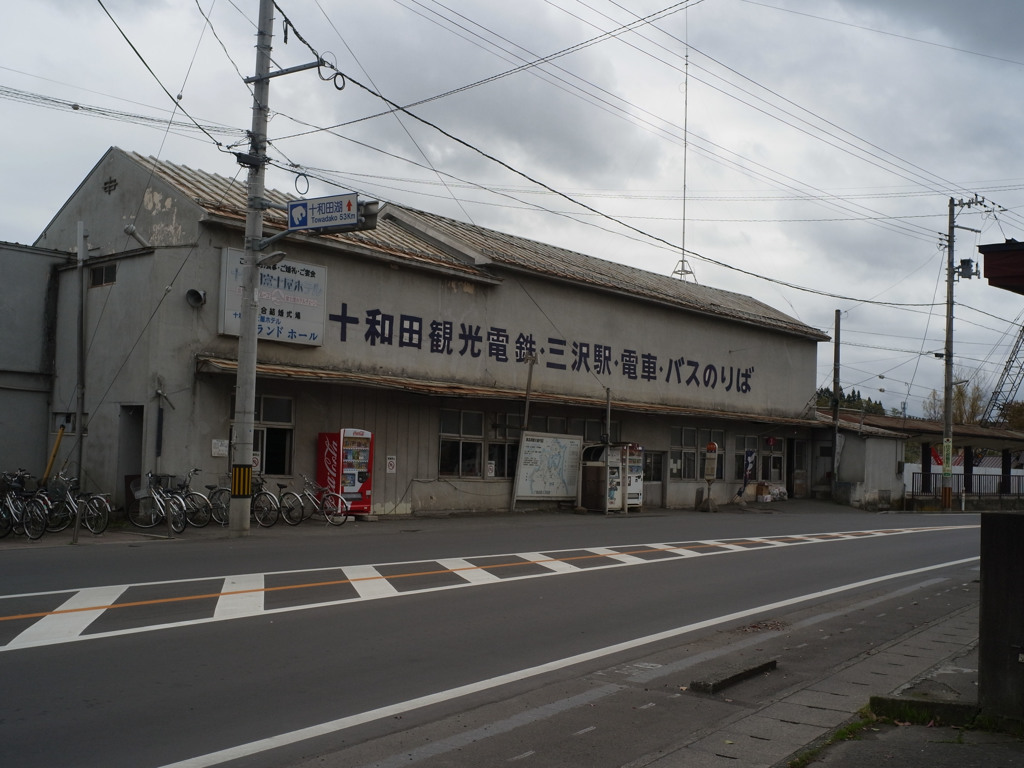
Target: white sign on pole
column 323, row 212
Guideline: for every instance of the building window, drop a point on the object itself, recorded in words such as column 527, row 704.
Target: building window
column 503, row 445
column 462, row 444
column 683, row 453
column 105, row 275
column 653, row 467
column 772, row 459
column 273, row 431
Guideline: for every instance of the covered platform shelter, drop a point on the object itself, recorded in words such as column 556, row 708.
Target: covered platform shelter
column 971, row 442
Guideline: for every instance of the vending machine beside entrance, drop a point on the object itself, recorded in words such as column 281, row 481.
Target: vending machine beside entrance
column 345, row 465
column 633, row 462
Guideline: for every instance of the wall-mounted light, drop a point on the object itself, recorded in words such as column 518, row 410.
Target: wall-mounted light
column 271, row 259
column 195, row 298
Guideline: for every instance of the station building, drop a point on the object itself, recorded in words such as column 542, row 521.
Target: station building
column 440, row 338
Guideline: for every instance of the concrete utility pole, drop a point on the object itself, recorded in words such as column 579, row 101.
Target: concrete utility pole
column 835, row 409
column 947, row 389
column 947, row 397
column 245, row 386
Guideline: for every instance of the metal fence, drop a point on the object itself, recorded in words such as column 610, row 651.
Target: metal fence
column 930, row 484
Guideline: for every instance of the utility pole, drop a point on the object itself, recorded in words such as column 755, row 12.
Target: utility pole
column 947, row 396
column 947, row 389
column 835, row 409
column 245, row 386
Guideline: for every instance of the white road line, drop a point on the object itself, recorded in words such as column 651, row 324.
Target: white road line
column 248, row 603
column 58, row 627
column 608, row 552
column 474, row 574
column 400, row 708
column 368, row 581
column 548, row 561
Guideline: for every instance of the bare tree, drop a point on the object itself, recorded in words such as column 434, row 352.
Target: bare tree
column 969, row 400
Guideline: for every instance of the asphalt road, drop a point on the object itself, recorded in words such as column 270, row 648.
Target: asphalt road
column 284, row 647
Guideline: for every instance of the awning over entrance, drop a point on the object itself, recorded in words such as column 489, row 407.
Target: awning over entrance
column 210, row 364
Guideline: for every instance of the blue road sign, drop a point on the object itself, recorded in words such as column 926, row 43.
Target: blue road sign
column 323, row 212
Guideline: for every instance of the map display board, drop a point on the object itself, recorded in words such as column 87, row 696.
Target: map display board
column 548, row 466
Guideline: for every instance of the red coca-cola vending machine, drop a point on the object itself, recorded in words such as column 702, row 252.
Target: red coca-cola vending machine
column 345, row 465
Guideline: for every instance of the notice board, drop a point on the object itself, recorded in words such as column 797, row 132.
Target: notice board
column 548, row 466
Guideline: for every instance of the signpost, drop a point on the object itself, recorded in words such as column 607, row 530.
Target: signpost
column 323, row 212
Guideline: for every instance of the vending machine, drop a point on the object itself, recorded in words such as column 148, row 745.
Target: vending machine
column 602, row 488
column 633, row 460
column 345, row 465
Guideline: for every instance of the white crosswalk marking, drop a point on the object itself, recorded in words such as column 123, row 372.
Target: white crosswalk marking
column 676, row 549
column 368, row 581
column 471, row 573
column 65, row 626
column 548, row 561
column 632, row 559
column 243, row 596
column 724, row 545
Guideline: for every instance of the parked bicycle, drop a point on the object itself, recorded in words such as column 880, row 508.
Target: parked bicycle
column 198, row 509
column 264, row 506
column 314, row 499
column 20, row 510
column 220, row 503
column 64, row 502
column 154, row 503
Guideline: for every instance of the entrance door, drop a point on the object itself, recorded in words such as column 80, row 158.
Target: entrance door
column 129, row 451
column 654, row 479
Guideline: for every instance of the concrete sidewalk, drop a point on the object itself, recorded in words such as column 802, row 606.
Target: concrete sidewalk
column 931, row 674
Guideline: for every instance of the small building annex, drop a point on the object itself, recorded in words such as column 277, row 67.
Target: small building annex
column 427, row 332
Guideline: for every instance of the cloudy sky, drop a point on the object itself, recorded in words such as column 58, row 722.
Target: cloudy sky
column 801, row 151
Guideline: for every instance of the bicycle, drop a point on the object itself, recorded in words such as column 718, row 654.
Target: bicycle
column 333, row 506
column 64, row 501
column 220, row 503
column 20, row 510
column 198, row 509
column 264, row 507
column 154, row 503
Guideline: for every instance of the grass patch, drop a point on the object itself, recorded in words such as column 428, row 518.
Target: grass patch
column 847, row 732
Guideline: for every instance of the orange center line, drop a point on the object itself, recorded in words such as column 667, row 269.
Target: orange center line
column 335, row 582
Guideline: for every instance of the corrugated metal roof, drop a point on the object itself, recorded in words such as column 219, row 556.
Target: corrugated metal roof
column 426, row 239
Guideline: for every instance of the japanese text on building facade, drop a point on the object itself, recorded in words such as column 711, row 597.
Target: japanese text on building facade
column 506, row 345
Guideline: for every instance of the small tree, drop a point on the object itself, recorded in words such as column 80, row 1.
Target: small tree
column 1013, row 414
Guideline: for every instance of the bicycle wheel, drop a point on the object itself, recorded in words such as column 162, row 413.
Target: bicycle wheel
column 6, row 523
column 97, row 514
column 291, row 507
column 264, row 508
column 144, row 512
column 34, row 518
column 220, row 503
column 197, row 509
column 334, row 508
column 58, row 515
column 176, row 509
